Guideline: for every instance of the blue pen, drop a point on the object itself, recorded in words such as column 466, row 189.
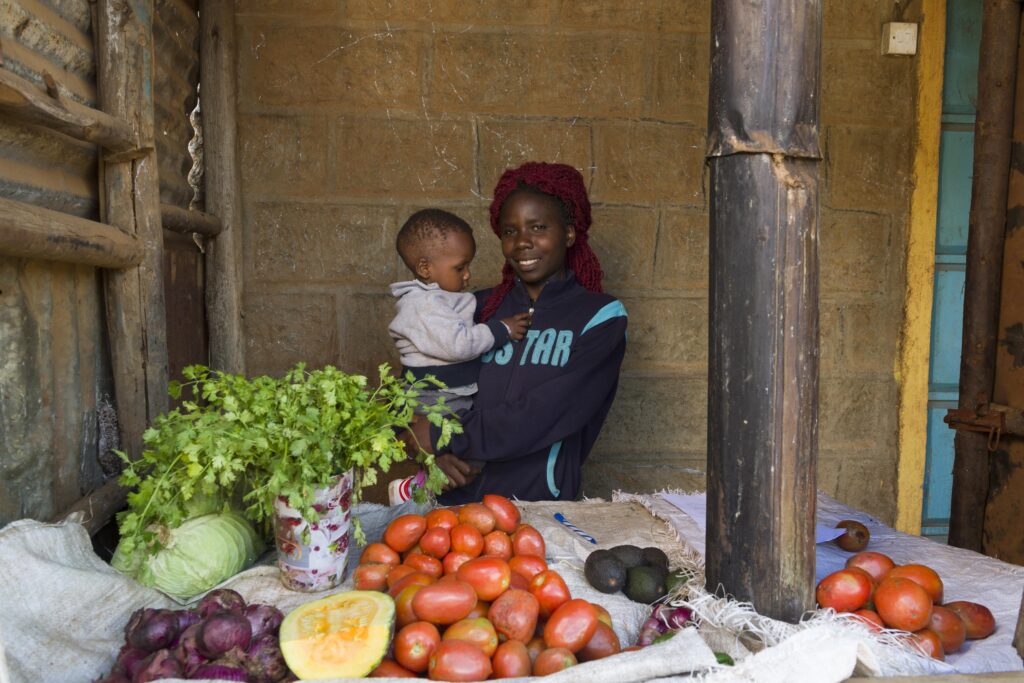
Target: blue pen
column 560, row 518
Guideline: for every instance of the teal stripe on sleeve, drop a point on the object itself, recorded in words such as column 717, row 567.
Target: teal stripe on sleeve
column 552, row 459
column 615, row 309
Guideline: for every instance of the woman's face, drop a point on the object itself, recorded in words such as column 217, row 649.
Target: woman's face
column 534, row 238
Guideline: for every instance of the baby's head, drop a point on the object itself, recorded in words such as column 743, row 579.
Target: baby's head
column 437, row 246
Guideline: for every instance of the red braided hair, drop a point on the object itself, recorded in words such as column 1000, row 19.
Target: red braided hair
column 565, row 184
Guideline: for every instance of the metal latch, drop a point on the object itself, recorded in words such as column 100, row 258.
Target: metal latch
column 981, row 419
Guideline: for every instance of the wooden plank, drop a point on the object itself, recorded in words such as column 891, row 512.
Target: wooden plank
column 135, row 299
column 97, row 507
column 188, row 221
column 223, row 258
column 763, row 356
column 24, row 102
column 29, row 231
column 997, row 68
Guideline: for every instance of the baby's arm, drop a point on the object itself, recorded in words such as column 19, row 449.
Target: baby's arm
column 517, row 325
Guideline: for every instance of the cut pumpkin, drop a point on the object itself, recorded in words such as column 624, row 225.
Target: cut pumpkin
column 345, row 635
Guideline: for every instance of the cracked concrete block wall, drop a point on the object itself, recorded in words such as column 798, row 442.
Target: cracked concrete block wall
column 354, row 114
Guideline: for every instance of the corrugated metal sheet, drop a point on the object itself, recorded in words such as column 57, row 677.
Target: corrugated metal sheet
column 53, row 367
column 176, row 35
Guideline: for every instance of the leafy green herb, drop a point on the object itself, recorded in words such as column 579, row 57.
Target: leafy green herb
column 244, row 442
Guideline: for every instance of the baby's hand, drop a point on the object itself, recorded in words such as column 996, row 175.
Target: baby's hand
column 517, row 325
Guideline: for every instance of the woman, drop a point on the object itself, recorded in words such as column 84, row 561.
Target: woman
column 541, row 402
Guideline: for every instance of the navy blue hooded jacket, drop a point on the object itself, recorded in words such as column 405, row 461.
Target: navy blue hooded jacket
column 542, row 401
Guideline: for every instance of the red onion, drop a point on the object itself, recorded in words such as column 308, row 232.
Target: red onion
column 187, row 651
column 264, row 660
column 153, row 630
column 222, row 631
column 263, row 619
column 651, row 629
column 160, row 664
column 221, row 672
column 129, row 660
column 220, row 599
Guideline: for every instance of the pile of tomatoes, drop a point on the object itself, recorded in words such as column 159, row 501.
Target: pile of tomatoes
column 906, row 597
column 474, row 598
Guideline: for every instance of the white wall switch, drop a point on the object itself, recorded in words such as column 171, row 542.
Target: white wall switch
column 899, row 38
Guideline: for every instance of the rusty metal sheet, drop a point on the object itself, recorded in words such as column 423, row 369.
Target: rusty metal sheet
column 175, row 92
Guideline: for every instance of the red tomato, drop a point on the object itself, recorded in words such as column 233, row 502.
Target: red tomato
column 534, row 646
column 416, row 578
column 442, row 517
column 498, row 544
column 875, row 564
column 604, row 643
column 424, row 563
column 458, row 660
column 436, row 542
column 478, row 631
column 506, row 514
column 371, row 577
column 903, row 604
column 553, row 660
column 550, row 590
column 929, row 641
column 397, row 573
column 949, row 627
column 845, row 590
column 379, row 553
column 453, row 560
column 445, row 602
column 388, row 668
column 414, row 643
column 870, row 618
column 514, row 615
column 479, row 610
column 572, row 625
column 519, row 581
column 404, row 532
column 489, row 576
column 404, row 614
column 511, row 660
column 926, row 577
column 528, row 565
column 603, row 615
column 467, row 539
column 478, row 517
column 527, row 541
column 977, row 618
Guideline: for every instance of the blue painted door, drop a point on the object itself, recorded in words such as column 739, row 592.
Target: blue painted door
column 956, row 155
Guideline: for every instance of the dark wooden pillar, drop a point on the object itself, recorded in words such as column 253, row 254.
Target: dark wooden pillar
column 763, row 364
column 997, row 68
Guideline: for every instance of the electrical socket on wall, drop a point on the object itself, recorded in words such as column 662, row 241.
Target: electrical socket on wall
column 899, row 38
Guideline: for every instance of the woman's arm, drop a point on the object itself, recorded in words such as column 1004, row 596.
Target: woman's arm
column 549, row 411
column 459, row 471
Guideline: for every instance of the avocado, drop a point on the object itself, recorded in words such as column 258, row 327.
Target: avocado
column 605, row 571
column 630, row 555
column 655, row 557
column 645, row 584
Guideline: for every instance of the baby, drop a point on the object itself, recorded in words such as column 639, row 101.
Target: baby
column 433, row 328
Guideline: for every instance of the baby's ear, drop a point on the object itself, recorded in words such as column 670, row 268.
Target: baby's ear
column 423, row 268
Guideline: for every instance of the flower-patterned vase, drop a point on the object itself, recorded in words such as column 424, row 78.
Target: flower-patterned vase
column 312, row 555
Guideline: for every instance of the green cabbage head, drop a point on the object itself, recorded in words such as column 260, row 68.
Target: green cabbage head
column 198, row 555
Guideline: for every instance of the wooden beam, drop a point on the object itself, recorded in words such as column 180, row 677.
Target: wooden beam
column 136, row 318
column 993, row 144
column 223, row 255
column 98, row 506
column 23, row 102
column 189, row 221
column 28, row 231
column 762, row 430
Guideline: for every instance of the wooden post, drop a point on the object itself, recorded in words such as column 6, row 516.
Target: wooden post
column 997, row 70
column 763, row 362
column 223, row 258
column 136, row 319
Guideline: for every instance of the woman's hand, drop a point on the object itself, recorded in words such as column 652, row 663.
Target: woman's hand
column 459, row 471
column 417, row 436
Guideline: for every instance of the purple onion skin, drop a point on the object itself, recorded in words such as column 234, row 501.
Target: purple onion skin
column 154, row 631
column 187, row 617
column 129, row 660
column 221, row 672
column 651, row 629
column 222, row 631
column 673, row 617
column 160, row 664
column 220, row 599
column 263, row 619
column 187, row 652
column 137, row 617
column 264, row 660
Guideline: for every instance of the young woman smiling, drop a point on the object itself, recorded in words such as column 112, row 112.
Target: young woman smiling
column 542, row 401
